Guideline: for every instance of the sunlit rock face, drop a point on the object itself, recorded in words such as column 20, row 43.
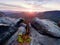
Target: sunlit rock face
column 46, row 27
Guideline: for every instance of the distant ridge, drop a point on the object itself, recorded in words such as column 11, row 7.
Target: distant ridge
column 52, row 15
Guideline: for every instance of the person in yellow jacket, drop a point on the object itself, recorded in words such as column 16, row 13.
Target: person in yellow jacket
column 24, row 38
column 20, row 39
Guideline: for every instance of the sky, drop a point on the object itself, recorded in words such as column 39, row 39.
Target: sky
column 30, row 5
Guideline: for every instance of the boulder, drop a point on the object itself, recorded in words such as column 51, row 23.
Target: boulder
column 8, row 27
column 39, row 39
column 46, row 27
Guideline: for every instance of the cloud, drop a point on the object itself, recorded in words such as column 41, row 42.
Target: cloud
column 52, row 5
column 33, row 5
column 11, row 5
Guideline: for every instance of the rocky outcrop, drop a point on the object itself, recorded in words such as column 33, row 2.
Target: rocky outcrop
column 12, row 40
column 46, row 27
column 13, row 23
column 44, row 32
column 39, row 39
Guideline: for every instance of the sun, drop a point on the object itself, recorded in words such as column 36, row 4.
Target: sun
column 31, row 10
